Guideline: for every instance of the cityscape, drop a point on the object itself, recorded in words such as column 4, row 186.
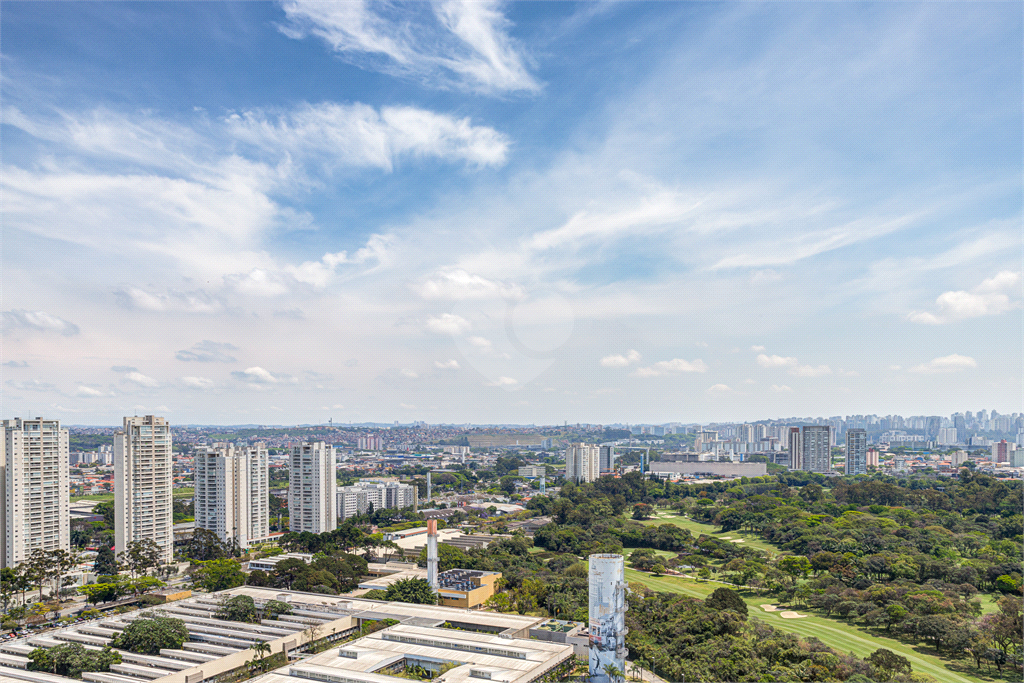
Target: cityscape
column 366, row 341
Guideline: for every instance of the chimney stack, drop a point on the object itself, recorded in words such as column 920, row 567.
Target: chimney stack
column 432, row 553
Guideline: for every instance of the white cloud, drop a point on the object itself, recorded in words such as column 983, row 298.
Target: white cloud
column 141, row 380
column 810, row 371
column 32, row 385
column 448, row 323
column 757, row 348
column 621, row 361
column 766, row 361
column 197, row 382
column 504, row 382
column 793, row 365
column 461, row 285
column 39, row 321
column 88, row 392
column 446, row 364
column 260, row 376
column 208, row 351
column 335, row 135
column 655, row 213
column 720, row 389
column 480, row 342
column 411, row 374
column 407, row 406
column 673, row 366
column 951, row 363
column 461, row 43
column 991, row 297
column 196, row 301
column 782, row 388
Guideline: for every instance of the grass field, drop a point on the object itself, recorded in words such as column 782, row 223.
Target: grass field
column 97, row 497
column 698, row 528
column 835, row 633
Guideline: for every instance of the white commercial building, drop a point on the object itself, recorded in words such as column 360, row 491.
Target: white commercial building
column 582, row 462
column 796, row 449
column 143, row 485
column 34, row 500
column 358, row 499
column 313, row 488
column 231, row 488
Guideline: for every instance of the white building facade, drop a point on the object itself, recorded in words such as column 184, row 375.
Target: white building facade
column 143, row 484
column 313, row 488
column 231, row 488
column 358, row 499
column 34, row 500
column 817, row 448
column 582, row 462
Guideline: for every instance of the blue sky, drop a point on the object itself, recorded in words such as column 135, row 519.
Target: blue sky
column 482, row 212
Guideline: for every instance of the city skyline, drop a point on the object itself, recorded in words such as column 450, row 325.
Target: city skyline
column 510, row 213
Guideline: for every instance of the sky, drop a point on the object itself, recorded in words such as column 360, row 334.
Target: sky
column 484, row 212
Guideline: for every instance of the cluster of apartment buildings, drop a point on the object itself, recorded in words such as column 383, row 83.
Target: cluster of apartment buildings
column 231, row 488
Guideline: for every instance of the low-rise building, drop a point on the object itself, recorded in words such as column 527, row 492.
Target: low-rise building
column 466, row 588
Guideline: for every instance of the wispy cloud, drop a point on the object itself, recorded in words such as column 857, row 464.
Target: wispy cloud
column 446, row 364
column 952, row 363
column 261, row 378
column 197, row 382
column 39, row 321
column 792, row 365
column 450, row 43
column 671, row 367
column 448, row 323
column 208, row 351
column 141, row 380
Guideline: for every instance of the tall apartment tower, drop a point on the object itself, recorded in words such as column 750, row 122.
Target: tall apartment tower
column 817, row 448
column 607, row 460
column 745, row 433
column 143, row 484
column 856, row 451
column 582, row 462
column 796, row 449
column 313, row 488
column 231, row 493
column 34, row 500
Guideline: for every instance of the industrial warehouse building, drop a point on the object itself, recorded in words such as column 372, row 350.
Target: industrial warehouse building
column 480, row 644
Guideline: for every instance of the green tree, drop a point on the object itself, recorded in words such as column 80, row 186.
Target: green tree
column 448, row 557
column 140, row 556
column 275, row 608
column 643, row 511
column 886, row 664
column 725, row 598
column 417, row 591
column 106, row 563
column 238, row 608
column 106, row 508
column 149, row 635
column 217, row 575
column 71, row 659
column 205, row 545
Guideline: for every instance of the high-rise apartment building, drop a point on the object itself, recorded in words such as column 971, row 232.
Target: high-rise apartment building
column 1001, row 451
column 231, row 488
column 817, row 448
column 856, row 451
column 796, row 449
column 607, row 459
column 313, row 488
column 143, row 484
column 34, row 501
column 745, row 433
column 582, row 462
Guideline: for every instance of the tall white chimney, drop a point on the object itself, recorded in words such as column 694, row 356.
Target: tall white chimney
column 432, row 553
column 608, row 590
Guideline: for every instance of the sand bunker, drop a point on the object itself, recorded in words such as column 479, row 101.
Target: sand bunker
column 769, row 608
column 738, row 540
column 792, row 615
column 724, row 538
